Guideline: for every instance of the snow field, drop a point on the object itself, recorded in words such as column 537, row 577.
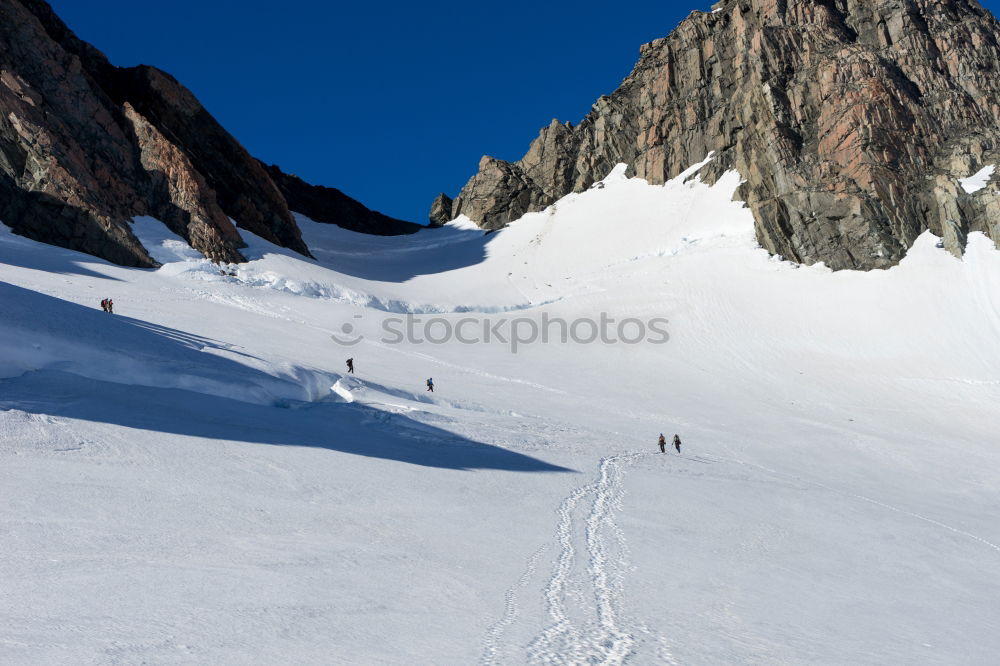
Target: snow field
column 196, row 480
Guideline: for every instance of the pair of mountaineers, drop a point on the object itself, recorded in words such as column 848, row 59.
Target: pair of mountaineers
column 108, row 305
column 350, row 371
column 663, row 443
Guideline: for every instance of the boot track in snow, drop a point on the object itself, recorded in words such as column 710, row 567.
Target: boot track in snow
column 583, row 596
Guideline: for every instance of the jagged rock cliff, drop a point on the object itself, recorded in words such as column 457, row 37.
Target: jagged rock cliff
column 85, row 146
column 441, row 210
column 850, row 120
column 242, row 188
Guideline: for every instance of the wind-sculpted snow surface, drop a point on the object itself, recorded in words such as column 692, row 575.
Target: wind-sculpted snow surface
column 197, row 479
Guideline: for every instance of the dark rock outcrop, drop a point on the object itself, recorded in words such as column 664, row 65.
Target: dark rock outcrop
column 331, row 206
column 440, row 210
column 179, row 196
column 85, row 146
column 68, row 165
column 850, row 121
column 242, row 188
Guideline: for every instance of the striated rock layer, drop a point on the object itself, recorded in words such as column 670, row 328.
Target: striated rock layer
column 85, row 146
column 851, row 121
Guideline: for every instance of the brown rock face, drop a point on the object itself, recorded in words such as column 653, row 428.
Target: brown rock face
column 179, row 196
column 67, row 165
column 242, row 187
column 331, row 206
column 440, row 210
column 850, row 120
column 86, row 146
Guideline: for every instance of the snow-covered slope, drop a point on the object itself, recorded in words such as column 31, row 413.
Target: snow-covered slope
column 194, row 480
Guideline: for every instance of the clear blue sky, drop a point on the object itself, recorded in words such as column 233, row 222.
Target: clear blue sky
column 392, row 102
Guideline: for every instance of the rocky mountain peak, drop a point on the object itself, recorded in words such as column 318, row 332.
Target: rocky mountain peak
column 851, row 122
column 86, row 146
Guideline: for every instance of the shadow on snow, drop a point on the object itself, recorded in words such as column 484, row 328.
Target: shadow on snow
column 347, row 428
column 20, row 251
column 400, row 258
column 183, row 386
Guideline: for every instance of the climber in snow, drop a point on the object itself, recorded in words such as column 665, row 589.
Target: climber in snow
column 350, row 366
column 663, row 443
column 430, row 385
column 677, row 443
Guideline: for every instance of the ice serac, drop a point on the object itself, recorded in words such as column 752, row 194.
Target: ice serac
column 850, row 120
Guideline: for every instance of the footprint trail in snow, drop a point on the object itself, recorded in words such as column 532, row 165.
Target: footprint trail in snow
column 584, row 621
